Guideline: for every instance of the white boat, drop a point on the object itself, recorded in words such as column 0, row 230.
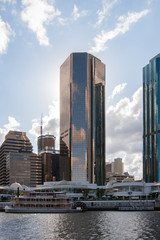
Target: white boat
column 41, row 202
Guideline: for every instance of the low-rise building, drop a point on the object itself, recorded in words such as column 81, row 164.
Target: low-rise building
column 118, row 177
column 130, row 189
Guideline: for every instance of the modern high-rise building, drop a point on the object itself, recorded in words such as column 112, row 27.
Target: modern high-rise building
column 15, row 141
column 50, row 158
column 24, row 168
column 82, row 119
column 35, row 169
column 18, row 168
column 17, row 161
column 151, row 120
column 46, row 142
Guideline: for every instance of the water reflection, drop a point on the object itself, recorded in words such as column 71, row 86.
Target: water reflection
column 87, row 226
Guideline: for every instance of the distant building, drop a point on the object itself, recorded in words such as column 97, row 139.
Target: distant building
column 115, row 167
column 118, row 177
column 109, row 168
column 115, row 171
column 118, row 166
column 15, row 142
column 18, row 168
column 50, row 158
column 50, row 166
column 36, row 169
column 46, row 142
column 82, row 119
column 151, row 120
column 24, row 168
column 19, row 163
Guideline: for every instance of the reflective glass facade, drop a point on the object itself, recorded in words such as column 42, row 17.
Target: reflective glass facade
column 82, row 118
column 151, row 120
column 50, row 166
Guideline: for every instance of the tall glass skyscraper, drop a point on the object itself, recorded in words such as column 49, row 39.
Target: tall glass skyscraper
column 82, row 118
column 151, row 120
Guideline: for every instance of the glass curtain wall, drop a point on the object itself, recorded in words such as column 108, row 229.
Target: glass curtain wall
column 151, row 121
column 82, row 116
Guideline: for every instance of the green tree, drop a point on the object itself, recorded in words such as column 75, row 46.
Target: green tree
column 85, row 193
column 100, row 192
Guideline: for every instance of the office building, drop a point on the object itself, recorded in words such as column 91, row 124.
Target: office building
column 16, row 142
column 50, row 158
column 109, row 168
column 46, row 142
column 18, row 168
column 82, row 119
column 151, row 120
column 118, row 166
column 50, row 163
column 18, row 162
column 35, row 169
column 64, row 160
column 24, row 168
column 115, row 167
column 115, row 171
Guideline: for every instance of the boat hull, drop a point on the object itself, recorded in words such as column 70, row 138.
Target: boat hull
column 29, row 210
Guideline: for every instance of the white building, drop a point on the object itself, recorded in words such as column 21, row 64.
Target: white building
column 129, row 188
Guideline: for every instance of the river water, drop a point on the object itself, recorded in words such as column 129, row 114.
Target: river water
column 100, row 225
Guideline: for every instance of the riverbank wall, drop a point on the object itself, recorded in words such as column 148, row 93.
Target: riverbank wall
column 123, row 205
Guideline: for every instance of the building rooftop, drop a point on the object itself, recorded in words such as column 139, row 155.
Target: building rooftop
column 157, row 56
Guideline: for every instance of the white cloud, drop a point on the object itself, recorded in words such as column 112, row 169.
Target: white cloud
column 124, row 132
column 107, row 6
column 38, row 13
column 118, row 89
column 122, row 26
column 50, row 122
column 76, row 14
column 12, row 124
column 5, row 33
column 62, row 21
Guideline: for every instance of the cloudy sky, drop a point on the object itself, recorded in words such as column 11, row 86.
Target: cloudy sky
column 36, row 36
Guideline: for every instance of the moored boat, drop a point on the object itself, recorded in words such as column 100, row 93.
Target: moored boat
column 41, row 202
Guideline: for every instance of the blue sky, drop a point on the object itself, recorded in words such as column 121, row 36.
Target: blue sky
column 36, row 36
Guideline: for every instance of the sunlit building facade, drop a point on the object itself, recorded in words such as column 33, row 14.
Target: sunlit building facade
column 46, row 142
column 82, row 118
column 17, row 161
column 15, row 142
column 50, row 157
column 151, row 120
